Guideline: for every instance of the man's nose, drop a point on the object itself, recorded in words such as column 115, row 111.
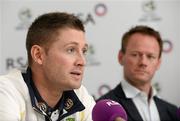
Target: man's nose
column 143, row 59
column 81, row 60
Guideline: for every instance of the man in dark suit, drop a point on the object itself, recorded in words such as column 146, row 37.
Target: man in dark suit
column 140, row 56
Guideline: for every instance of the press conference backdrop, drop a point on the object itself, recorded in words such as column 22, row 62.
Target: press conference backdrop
column 105, row 22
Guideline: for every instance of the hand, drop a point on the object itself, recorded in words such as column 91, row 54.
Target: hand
column 119, row 119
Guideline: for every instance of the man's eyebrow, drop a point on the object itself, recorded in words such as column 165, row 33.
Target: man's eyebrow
column 75, row 43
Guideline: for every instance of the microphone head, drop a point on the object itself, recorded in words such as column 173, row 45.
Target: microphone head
column 108, row 110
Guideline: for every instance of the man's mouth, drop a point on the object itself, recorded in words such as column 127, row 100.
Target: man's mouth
column 76, row 73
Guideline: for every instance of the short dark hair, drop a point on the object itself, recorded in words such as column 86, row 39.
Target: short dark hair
column 142, row 29
column 45, row 27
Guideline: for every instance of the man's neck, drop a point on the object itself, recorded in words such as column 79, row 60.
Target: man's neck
column 144, row 87
column 48, row 93
column 50, row 96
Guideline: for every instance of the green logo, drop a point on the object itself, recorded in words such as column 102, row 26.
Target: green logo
column 70, row 119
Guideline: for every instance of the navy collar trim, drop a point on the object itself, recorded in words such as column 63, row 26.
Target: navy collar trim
column 67, row 105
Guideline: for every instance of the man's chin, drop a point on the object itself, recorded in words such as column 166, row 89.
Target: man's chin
column 76, row 86
column 72, row 88
column 142, row 78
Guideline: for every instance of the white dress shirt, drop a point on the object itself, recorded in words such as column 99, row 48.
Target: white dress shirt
column 147, row 110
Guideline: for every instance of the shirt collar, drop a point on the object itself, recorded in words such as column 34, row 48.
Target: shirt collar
column 70, row 103
column 131, row 91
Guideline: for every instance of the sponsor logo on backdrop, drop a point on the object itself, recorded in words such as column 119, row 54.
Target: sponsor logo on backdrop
column 104, row 88
column 156, row 85
column 18, row 62
column 167, row 46
column 149, row 9
column 86, row 18
column 100, row 10
column 90, row 57
column 25, row 16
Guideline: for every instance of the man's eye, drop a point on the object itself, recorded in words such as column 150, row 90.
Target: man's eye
column 151, row 57
column 70, row 50
column 134, row 54
column 85, row 51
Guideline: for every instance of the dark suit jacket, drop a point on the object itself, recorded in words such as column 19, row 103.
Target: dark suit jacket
column 166, row 110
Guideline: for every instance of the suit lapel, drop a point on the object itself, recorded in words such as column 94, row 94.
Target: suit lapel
column 161, row 109
column 128, row 105
column 131, row 110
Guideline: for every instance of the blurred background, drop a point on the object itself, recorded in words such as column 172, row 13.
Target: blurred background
column 105, row 22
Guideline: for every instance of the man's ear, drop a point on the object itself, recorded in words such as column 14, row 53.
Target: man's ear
column 37, row 54
column 120, row 57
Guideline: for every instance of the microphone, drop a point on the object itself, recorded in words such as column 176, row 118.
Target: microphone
column 178, row 113
column 108, row 110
